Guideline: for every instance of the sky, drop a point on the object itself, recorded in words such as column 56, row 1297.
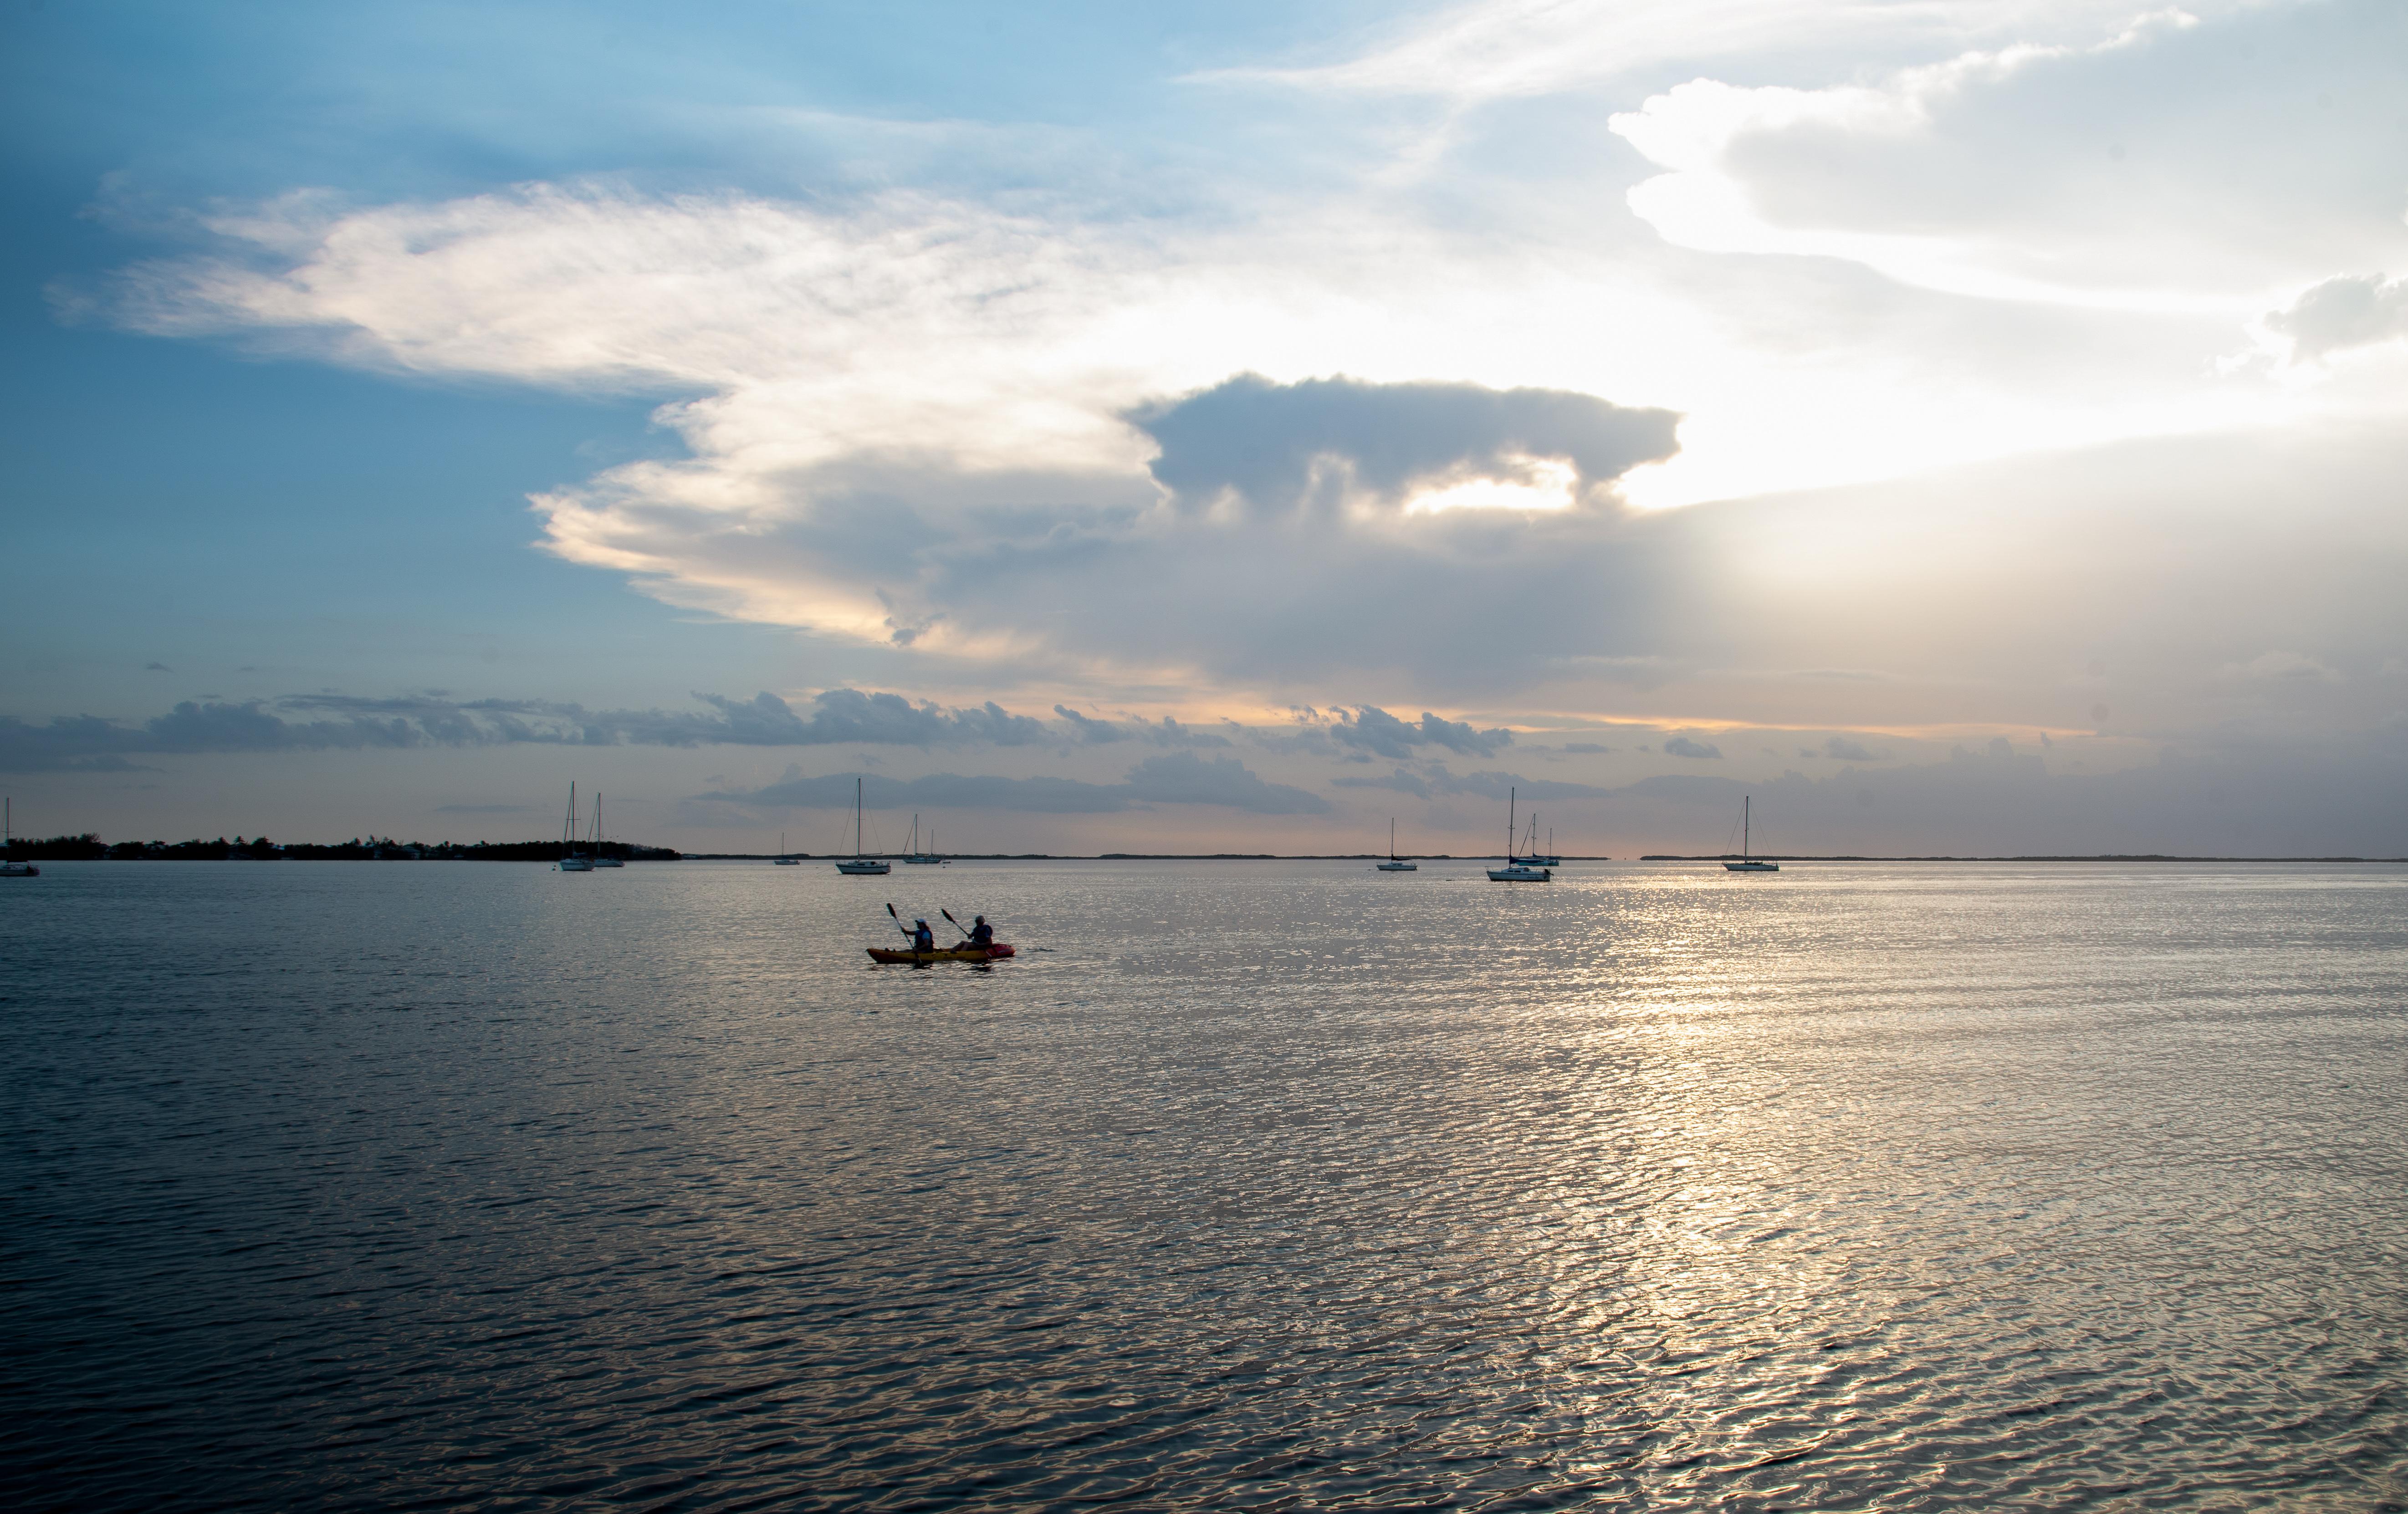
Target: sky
column 1965, row 426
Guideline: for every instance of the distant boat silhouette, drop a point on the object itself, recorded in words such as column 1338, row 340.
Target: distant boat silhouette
column 860, row 866
column 12, row 868
column 783, row 859
column 1395, row 863
column 1746, row 864
column 602, row 858
column 572, row 859
column 1515, row 870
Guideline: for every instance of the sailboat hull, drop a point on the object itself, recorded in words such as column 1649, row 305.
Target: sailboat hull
column 1400, row 867
column 1750, row 867
column 859, row 868
column 1520, row 874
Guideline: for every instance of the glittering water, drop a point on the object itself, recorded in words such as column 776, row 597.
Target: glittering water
column 348, row 1185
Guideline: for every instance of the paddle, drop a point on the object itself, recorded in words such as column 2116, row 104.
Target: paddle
column 957, row 924
column 900, row 926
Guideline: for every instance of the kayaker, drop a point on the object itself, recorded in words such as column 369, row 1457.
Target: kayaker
column 923, row 938
column 981, row 933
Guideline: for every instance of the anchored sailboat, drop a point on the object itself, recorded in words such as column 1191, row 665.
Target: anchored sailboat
column 10, row 867
column 784, row 859
column 602, row 858
column 1515, row 870
column 859, row 865
column 1746, row 863
column 1395, row 863
column 572, row 859
column 1530, row 855
column 923, row 857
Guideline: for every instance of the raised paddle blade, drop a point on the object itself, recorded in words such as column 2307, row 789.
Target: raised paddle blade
column 957, row 924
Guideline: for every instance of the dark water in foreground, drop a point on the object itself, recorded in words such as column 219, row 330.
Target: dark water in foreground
column 350, row 1185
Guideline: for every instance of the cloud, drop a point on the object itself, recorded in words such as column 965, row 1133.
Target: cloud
column 1434, row 781
column 1585, row 747
column 1846, row 749
column 1680, row 745
column 1327, row 442
column 1167, row 732
column 1175, row 778
column 2343, row 312
column 1372, row 729
column 2127, row 172
column 838, row 716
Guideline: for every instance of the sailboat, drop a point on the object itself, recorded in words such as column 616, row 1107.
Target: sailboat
column 1530, row 855
column 784, row 860
column 602, row 858
column 1395, row 863
column 858, row 864
column 572, row 859
column 1515, row 870
column 929, row 855
column 12, row 868
column 1746, row 863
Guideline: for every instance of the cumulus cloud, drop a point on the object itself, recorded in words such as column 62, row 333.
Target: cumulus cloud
column 2343, row 312
column 321, row 722
column 1167, row 732
column 1842, row 749
column 1680, row 745
column 1327, row 442
column 1373, row 730
column 1174, row 778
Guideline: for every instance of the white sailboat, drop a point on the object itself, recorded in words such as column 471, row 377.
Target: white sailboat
column 602, row 858
column 1515, row 870
column 572, row 859
column 11, row 868
column 1746, row 863
column 784, row 860
column 1395, row 863
column 859, row 865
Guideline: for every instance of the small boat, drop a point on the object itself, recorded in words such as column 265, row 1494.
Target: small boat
column 602, row 858
column 573, row 861
column 964, row 952
column 12, row 868
column 930, row 856
column 1746, row 863
column 859, row 865
column 783, row 859
column 1515, row 870
column 1395, row 863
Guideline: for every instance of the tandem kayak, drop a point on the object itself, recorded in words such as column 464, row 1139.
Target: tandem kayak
column 959, row 953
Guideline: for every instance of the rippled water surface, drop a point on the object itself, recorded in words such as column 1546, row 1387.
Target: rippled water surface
column 1292, row 1185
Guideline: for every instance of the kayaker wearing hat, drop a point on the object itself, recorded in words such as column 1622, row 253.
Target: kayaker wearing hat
column 981, row 933
column 923, row 938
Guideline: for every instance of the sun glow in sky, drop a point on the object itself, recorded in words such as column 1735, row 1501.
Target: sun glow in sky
column 1690, row 397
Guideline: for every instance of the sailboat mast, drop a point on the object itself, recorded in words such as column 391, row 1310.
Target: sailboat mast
column 856, row 820
column 1510, row 795
column 1745, row 822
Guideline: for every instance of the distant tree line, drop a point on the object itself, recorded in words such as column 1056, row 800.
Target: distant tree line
column 89, row 847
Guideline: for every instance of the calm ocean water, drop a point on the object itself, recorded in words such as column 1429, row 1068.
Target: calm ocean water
column 1286, row 1185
